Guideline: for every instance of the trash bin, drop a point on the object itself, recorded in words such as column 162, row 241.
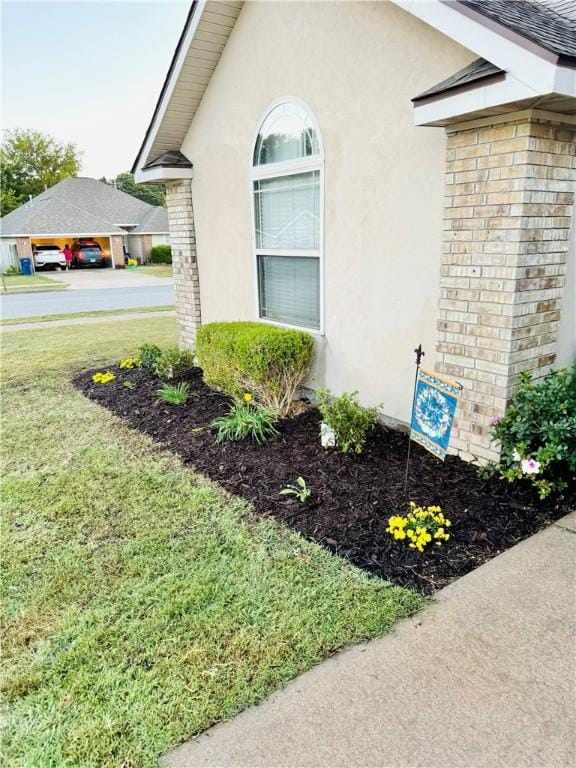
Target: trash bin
column 26, row 266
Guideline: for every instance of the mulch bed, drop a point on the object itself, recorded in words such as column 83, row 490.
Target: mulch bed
column 352, row 496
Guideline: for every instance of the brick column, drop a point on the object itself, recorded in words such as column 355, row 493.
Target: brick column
column 117, row 250
column 24, row 247
column 184, row 263
column 146, row 247
column 508, row 211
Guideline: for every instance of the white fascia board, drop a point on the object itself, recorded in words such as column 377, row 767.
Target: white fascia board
column 524, row 65
column 187, row 42
column 161, row 175
column 467, row 102
column 565, row 82
column 47, row 235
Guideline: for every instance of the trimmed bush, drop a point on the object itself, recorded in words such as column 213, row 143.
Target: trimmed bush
column 161, row 254
column 265, row 360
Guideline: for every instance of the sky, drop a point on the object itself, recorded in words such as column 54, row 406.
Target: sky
column 87, row 72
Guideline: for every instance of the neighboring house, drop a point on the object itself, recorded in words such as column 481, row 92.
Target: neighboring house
column 383, row 175
column 84, row 208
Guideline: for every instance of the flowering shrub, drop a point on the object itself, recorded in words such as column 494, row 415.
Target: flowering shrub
column 103, row 378
column 129, row 362
column 538, row 433
column 420, row 527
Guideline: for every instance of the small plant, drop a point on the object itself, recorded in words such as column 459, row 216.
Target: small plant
column 129, row 362
column 12, row 270
column 132, row 263
column 174, row 394
column 349, row 420
column 148, row 356
column 300, row 490
column 103, row 378
column 245, row 420
column 173, row 363
column 419, row 527
column 128, row 385
column 538, row 433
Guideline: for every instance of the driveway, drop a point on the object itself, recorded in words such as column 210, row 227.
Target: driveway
column 152, row 294
column 95, row 279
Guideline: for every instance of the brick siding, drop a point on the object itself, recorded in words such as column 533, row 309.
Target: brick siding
column 184, row 263
column 508, row 212
column 117, row 250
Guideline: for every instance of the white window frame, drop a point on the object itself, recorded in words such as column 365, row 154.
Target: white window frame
column 289, row 168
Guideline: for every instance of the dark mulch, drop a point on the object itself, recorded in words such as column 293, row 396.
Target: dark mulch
column 353, row 496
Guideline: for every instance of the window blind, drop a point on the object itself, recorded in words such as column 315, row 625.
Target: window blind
column 289, row 288
column 287, row 210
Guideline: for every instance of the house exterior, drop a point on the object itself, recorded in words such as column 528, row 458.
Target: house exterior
column 381, row 174
column 84, row 208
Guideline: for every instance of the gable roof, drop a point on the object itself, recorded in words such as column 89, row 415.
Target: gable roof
column 549, row 24
column 542, row 30
column 206, row 31
column 480, row 69
column 79, row 205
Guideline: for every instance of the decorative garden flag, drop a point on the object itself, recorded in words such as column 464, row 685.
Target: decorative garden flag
column 435, row 402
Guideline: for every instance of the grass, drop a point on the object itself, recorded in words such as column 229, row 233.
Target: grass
column 157, row 270
column 35, row 282
column 94, row 313
column 141, row 603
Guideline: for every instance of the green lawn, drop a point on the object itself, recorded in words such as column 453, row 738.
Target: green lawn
column 141, row 603
column 157, row 270
column 35, row 282
column 74, row 315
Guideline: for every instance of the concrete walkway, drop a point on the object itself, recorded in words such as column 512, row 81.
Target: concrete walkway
column 83, row 321
column 483, row 678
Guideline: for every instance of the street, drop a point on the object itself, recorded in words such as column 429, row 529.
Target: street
column 58, row 302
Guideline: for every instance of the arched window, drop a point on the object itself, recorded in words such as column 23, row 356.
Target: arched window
column 287, row 170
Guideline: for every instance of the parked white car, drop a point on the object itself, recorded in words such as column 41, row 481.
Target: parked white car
column 48, row 256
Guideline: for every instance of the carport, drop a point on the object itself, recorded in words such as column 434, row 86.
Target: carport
column 104, row 242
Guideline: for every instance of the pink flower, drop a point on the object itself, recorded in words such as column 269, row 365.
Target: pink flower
column 494, row 420
column 530, row 467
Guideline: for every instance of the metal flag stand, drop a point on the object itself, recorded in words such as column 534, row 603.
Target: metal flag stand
column 419, row 352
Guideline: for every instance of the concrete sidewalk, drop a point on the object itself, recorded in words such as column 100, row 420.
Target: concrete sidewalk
column 483, row 678
column 41, row 326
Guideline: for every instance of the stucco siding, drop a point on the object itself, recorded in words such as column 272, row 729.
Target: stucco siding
column 356, row 65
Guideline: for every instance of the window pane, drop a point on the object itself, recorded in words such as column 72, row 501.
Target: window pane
column 289, row 289
column 287, row 211
column 286, row 134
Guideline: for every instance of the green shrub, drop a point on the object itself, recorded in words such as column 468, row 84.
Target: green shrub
column 161, row 254
column 174, row 394
column 148, row 355
column 173, row 363
column 12, row 270
column 350, row 421
column 245, row 420
column 538, row 433
column 268, row 361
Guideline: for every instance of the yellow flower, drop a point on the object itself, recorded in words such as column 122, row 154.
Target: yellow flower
column 247, row 397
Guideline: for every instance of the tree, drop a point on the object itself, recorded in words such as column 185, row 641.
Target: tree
column 30, row 161
column 149, row 193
